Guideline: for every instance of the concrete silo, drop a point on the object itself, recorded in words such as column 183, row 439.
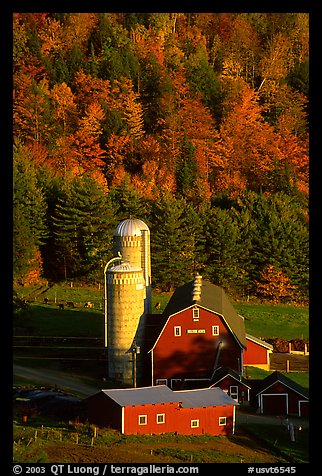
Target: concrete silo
column 132, row 239
column 128, row 299
column 125, row 298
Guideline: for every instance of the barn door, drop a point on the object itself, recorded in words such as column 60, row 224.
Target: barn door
column 274, row 404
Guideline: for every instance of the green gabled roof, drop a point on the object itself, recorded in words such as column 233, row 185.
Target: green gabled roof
column 279, row 377
column 214, row 299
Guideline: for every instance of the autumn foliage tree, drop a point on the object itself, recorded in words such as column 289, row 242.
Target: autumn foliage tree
column 274, row 285
column 192, row 114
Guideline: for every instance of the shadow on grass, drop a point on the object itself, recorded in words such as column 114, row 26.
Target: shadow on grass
column 276, row 439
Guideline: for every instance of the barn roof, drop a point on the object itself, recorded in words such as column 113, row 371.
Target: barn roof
column 207, row 397
column 283, row 379
column 222, row 372
column 141, row 396
column 214, row 299
column 260, row 342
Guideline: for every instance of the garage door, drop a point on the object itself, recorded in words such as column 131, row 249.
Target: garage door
column 274, row 404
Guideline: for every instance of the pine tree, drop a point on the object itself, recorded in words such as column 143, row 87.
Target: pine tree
column 127, row 202
column 186, row 169
column 194, row 224
column 280, row 238
column 29, row 214
column 170, row 251
column 222, row 248
column 82, row 228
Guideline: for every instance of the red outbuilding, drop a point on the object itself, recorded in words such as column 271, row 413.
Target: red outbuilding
column 257, row 352
column 279, row 395
column 233, row 384
column 156, row 410
column 199, row 331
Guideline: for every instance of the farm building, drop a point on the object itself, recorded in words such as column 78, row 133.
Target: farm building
column 199, row 332
column 257, row 352
column 158, row 409
column 232, row 383
column 279, row 395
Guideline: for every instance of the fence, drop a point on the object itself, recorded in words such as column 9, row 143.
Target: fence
column 83, row 438
column 298, row 352
column 286, row 362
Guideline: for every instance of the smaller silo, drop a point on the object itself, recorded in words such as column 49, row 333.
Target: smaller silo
column 125, row 320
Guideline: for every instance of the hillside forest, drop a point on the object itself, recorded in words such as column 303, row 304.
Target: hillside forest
column 195, row 123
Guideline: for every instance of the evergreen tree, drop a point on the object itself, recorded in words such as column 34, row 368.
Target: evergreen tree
column 280, row 238
column 82, row 228
column 204, row 81
column 29, row 214
column 196, row 241
column 127, row 203
column 222, row 248
column 170, row 251
column 186, row 169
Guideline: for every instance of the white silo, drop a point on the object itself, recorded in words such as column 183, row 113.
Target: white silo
column 125, row 298
column 128, row 300
column 132, row 240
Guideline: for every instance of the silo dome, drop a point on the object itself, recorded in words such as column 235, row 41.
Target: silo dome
column 131, row 239
column 131, row 227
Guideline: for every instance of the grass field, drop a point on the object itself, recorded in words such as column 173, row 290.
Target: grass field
column 48, row 320
column 272, row 320
column 261, row 320
column 48, row 441
column 52, row 441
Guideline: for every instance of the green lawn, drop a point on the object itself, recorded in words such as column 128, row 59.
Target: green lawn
column 49, row 320
column 272, row 320
column 261, row 320
column 302, row 378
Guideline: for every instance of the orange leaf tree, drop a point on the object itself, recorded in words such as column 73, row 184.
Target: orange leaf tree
column 274, row 285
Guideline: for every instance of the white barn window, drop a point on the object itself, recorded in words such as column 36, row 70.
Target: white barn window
column 195, row 314
column 215, row 330
column 194, row 423
column 177, row 331
column 143, row 419
column 222, row 421
column 160, row 418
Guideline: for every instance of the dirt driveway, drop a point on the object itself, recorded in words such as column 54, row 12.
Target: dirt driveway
column 53, row 377
column 243, row 417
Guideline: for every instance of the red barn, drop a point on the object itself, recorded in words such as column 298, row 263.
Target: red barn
column 257, row 352
column 198, row 332
column 279, row 395
column 156, row 410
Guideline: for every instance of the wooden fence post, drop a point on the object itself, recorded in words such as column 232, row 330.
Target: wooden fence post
column 287, row 365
